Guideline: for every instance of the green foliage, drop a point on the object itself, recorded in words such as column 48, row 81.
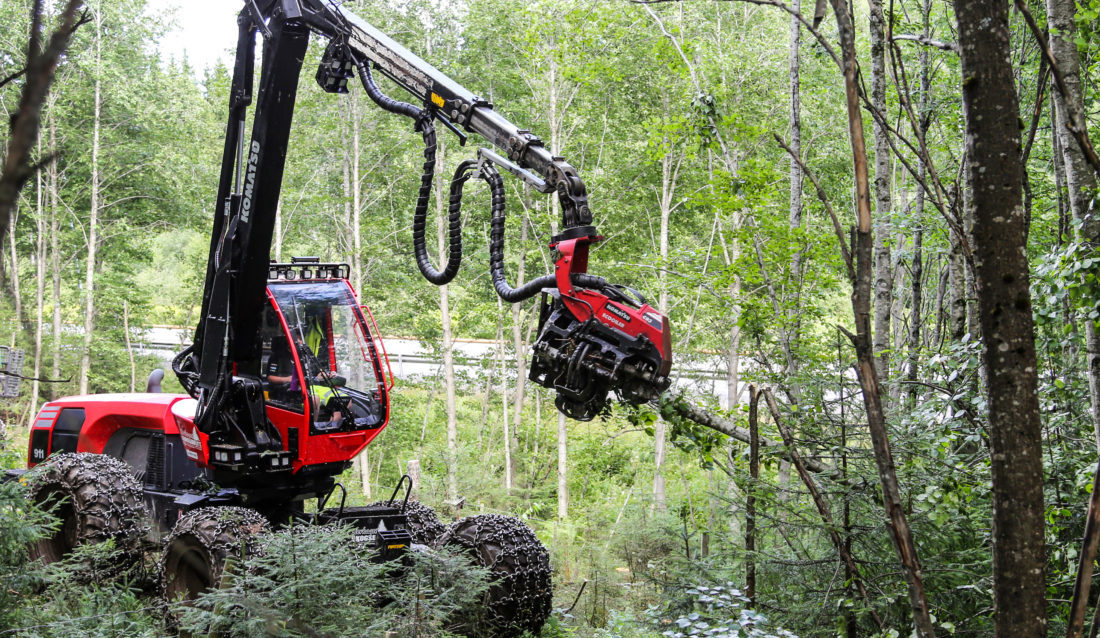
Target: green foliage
column 69, row 598
column 641, row 117
column 311, row 580
column 79, row 600
column 718, row 610
column 21, row 523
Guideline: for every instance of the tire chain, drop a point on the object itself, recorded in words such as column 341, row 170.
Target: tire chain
column 224, row 531
column 423, row 523
column 106, row 499
column 521, row 590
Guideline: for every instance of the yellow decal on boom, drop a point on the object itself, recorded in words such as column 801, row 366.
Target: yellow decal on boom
column 438, row 101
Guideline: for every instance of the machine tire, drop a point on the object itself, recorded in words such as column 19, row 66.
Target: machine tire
column 423, row 523
column 97, row 499
column 198, row 548
column 521, row 589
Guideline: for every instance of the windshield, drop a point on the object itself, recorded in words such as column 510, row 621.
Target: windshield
column 336, row 353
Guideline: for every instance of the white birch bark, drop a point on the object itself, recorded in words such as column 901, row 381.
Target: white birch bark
column 509, row 477
column 40, row 257
column 55, row 259
column 93, row 212
column 1079, row 177
column 884, row 272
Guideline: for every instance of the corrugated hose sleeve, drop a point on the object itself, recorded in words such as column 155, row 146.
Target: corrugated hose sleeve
column 423, row 119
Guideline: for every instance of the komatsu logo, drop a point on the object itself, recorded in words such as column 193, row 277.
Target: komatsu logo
column 618, row 312
column 250, row 181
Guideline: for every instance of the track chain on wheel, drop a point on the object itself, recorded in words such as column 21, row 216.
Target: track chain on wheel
column 521, row 590
column 423, row 523
column 199, row 546
column 97, row 499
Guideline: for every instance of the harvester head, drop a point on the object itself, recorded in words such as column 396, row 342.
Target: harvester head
column 594, row 341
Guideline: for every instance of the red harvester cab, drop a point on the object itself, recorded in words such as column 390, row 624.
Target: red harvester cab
column 326, row 384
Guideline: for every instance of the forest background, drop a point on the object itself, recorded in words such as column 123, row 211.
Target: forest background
column 683, row 118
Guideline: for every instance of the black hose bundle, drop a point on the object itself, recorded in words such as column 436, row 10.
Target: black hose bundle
column 423, row 119
column 183, row 364
column 496, row 250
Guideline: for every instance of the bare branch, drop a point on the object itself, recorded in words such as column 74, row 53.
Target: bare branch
column 14, row 76
column 1083, row 580
column 678, row 406
column 926, row 41
column 1075, row 123
column 822, row 505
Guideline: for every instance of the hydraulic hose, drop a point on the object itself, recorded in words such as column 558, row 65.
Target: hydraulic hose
column 424, row 125
column 496, row 249
column 184, row 367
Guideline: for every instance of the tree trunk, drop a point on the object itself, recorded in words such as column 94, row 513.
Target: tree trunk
column 915, row 317
column 563, row 468
column 16, row 292
column 55, row 260
column 41, row 254
column 1058, row 160
column 995, row 175
column 750, row 500
column 884, row 275
column 670, row 172
column 93, row 215
column 956, row 305
column 129, row 344
column 556, row 127
column 41, row 63
column 518, row 343
column 900, row 532
column 354, row 183
column 509, row 476
column 794, row 220
column 1079, row 175
column 448, row 337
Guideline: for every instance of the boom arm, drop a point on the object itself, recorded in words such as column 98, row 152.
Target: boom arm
column 454, row 104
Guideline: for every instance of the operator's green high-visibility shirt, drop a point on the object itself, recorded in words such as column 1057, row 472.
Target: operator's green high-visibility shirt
column 322, row 392
column 315, row 337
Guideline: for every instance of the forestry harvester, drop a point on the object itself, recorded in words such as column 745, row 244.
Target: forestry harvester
column 287, row 379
